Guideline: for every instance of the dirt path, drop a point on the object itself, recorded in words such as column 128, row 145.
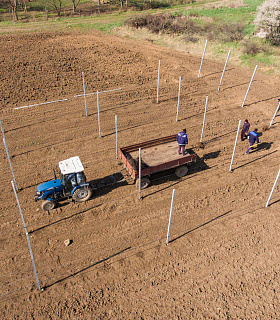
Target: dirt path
column 222, row 262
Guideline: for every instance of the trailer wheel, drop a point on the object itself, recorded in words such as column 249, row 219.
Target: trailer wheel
column 181, row 171
column 48, row 205
column 144, row 183
column 82, row 194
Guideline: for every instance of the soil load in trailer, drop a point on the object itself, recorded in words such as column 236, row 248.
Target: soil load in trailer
column 156, row 155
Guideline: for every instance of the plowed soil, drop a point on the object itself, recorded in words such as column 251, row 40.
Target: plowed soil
column 222, row 261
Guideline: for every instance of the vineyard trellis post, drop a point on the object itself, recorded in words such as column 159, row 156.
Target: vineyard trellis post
column 178, row 99
column 204, row 119
column 272, row 190
column 85, row 93
column 2, row 129
column 170, row 216
column 233, row 153
column 249, row 86
column 276, row 111
column 116, row 125
column 8, row 154
column 224, row 71
column 98, row 114
column 202, row 58
column 158, row 80
column 10, row 163
column 27, row 237
column 139, row 180
column 97, row 97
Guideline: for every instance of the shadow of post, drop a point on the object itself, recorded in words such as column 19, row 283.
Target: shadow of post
column 252, row 161
column 202, row 225
column 84, row 268
column 169, row 176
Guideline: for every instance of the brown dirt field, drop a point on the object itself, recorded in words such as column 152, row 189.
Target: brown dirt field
column 222, row 261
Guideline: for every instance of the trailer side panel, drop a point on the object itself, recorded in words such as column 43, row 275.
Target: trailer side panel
column 156, row 155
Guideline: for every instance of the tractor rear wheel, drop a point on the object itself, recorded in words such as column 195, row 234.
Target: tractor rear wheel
column 48, row 205
column 82, row 194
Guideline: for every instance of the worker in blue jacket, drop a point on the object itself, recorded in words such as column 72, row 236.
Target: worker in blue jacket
column 182, row 140
column 253, row 138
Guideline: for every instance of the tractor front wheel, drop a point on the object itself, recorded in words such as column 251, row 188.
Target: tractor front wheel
column 82, row 194
column 48, row 205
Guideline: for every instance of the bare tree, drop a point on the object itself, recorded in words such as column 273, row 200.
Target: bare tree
column 75, row 3
column 268, row 20
column 55, row 5
column 46, row 6
column 13, row 4
column 23, row 4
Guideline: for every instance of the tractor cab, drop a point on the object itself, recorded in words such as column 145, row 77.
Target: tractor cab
column 72, row 183
column 71, row 174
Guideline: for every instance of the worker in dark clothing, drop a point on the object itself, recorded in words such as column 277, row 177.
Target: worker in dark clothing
column 182, row 140
column 253, row 138
column 245, row 130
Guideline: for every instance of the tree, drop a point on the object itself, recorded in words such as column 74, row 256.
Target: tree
column 268, row 20
column 13, row 4
column 55, row 5
column 75, row 4
column 23, row 4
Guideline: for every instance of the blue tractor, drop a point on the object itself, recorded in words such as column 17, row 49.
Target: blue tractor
column 72, row 184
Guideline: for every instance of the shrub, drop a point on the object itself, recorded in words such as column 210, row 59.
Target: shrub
column 191, row 38
column 233, row 32
column 159, row 4
column 251, row 47
column 224, row 32
column 180, row 24
column 137, row 23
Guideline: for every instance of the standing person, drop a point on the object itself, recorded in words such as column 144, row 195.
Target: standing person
column 245, row 130
column 182, row 140
column 253, row 138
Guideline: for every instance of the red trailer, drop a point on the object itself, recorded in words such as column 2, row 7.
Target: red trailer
column 156, row 155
